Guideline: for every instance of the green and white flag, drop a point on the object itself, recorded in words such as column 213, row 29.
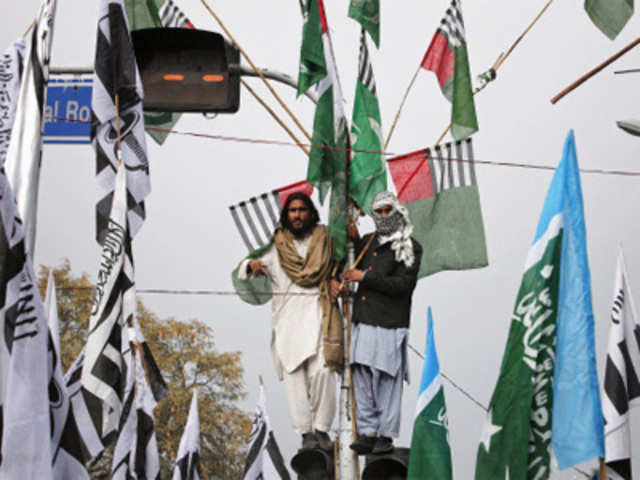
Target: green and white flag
column 367, row 13
column 610, row 16
column 367, row 174
column 430, row 454
column 328, row 157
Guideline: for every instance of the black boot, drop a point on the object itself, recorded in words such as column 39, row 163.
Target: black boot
column 383, row 445
column 363, row 444
column 309, row 441
column 324, row 441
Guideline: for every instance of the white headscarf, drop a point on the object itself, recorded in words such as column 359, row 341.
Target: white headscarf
column 395, row 227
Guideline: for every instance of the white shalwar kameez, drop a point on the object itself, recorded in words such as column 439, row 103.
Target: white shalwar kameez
column 296, row 345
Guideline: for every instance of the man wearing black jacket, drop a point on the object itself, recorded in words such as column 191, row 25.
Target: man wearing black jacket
column 387, row 275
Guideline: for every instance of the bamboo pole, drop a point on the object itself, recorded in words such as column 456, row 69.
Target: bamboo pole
column 256, row 69
column 274, row 116
column 31, row 25
column 603, row 469
column 595, row 70
column 404, row 99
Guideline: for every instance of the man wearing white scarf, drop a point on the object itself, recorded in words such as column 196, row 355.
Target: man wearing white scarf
column 387, row 275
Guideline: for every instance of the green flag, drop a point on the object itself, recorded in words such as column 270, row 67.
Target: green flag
column 610, row 16
column 327, row 166
column 367, row 174
column 145, row 14
column 367, row 13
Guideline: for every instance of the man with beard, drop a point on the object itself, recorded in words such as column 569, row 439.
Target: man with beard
column 387, row 276
column 306, row 340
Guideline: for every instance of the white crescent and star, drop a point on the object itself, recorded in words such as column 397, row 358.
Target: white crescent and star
column 489, row 431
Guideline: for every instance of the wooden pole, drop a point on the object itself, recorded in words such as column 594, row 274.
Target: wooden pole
column 603, row 469
column 404, row 99
column 275, row 116
column 26, row 32
column 257, row 70
column 592, row 72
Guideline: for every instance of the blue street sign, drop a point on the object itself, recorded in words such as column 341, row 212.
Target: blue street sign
column 68, row 110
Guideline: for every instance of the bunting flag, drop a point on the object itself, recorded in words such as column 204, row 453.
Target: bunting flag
column 147, row 14
column 188, row 460
column 26, row 422
column 258, row 217
column 430, row 454
column 547, row 392
column 114, row 303
column 610, row 16
column 117, row 76
column 447, row 57
column 264, row 459
column 439, row 187
column 10, row 77
column 621, row 376
column 328, row 157
column 136, row 452
column 367, row 175
column 367, row 13
column 25, row 150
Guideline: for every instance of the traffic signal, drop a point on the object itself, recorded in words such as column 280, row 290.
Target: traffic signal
column 187, row 70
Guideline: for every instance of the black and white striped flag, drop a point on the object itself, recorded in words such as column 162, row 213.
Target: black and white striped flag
column 114, row 304
column 187, row 465
column 117, row 76
column 621, row 378
column 24, row 342
column 258, row 217
column 10, row 77
column 25, row 149
column 264, row 460
column 136, row 452
column 171, row 16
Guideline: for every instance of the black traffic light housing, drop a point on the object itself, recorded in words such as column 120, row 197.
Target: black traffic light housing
column 187, row 70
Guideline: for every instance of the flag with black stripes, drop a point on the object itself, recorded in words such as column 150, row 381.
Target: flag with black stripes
column 117, row 79
column 24, row 354
column 187, row 465
column 621, row 377
column 114, row 304
column 136, row 451
column 258, row 217
column 264, row 460
column 171, row 16
column 25, row 149
column 439, row 187
column 10, row 77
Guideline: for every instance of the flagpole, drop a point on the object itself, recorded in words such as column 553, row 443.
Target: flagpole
column 603, row 469
column 275, row 116
column 404, row 99
column 257, row 70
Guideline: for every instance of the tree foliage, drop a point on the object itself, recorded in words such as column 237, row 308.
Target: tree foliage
column 188, row 359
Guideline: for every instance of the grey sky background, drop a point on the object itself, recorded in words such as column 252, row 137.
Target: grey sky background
column 189, row 240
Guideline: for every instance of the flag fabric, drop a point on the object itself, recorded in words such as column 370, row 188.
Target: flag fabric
column 439, row 187
column 10, row 76
column 171, row 16
column 116, row 75
column 621, row 377
column 367, row 175
column 328, row 157
column 136, row 450
column 610, row 16
column 155, row 14
column 188, row 459
column 264, row 460
column 157, row 384
column 258, row 217
column 430, row 454
column 448, row 58
column 25, row 150
column 114, row 303
column 23, row 353
column 548, row 374
column 367, row 13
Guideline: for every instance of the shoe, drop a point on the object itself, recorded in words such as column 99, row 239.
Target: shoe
column 324, row 441
column 383, row 445
column 309, row 441
column 363, row 444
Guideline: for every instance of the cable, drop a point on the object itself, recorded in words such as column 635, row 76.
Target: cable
column 595, row 171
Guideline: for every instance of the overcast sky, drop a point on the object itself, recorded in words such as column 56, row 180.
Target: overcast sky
column 189, row 240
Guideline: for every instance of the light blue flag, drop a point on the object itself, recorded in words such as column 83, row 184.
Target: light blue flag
column 578, row 424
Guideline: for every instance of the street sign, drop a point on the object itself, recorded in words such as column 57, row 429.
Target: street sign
column 67, row 112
